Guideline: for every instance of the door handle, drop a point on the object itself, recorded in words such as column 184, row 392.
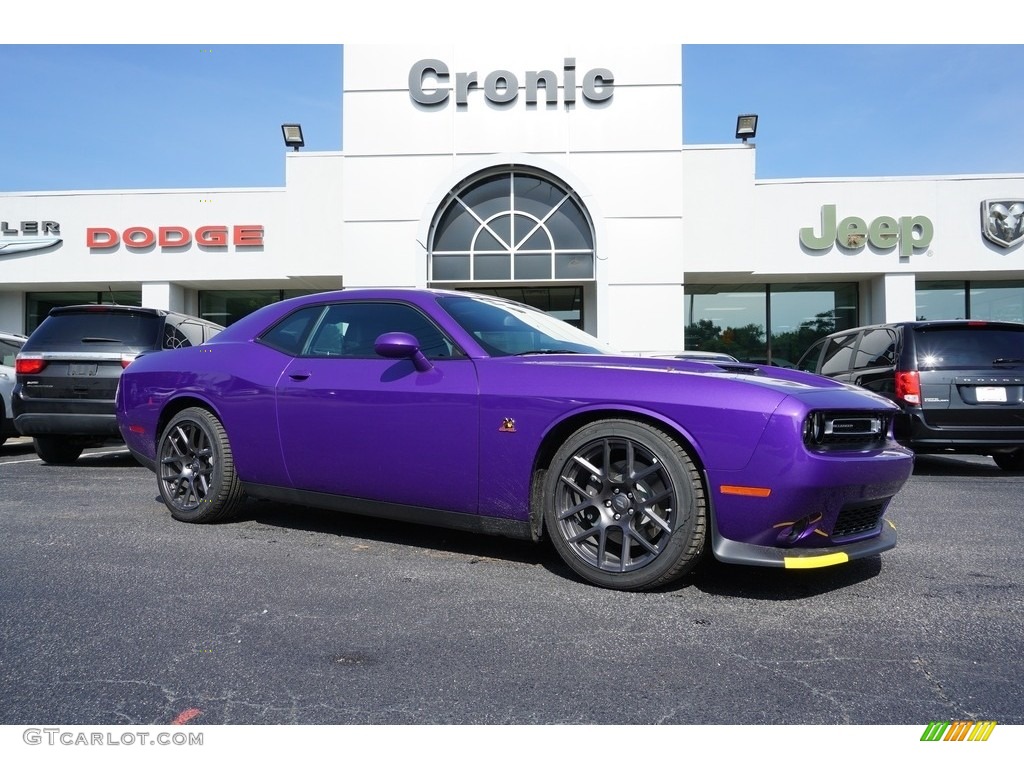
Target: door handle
column 298, row 376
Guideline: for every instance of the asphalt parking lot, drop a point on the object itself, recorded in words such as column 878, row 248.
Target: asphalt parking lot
column 113, row 613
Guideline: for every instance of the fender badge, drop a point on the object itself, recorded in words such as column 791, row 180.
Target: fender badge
column 507, row 425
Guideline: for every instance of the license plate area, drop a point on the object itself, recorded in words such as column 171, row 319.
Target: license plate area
column 990, row 394
column 82, row 369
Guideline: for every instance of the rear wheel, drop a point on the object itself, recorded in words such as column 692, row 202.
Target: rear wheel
column 624, row 505
column 195, row 468
column 58, row 449
column 1011, row 461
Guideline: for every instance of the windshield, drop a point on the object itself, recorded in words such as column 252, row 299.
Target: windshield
column 72, row 330
column 971, row 347
column 505, row 328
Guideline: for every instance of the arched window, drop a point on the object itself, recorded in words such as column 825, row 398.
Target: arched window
column 515, row 225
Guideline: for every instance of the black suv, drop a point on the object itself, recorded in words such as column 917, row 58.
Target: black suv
column 960, row 383
column 68, row 369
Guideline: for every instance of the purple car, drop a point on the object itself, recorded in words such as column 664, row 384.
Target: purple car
column 481, row 414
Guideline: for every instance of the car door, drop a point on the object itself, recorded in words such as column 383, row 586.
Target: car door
column 809, row 360
column 874, row 362
column 838, row 355
column 356, row 424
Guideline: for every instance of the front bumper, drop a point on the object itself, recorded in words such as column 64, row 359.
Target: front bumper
column 798, row 505
column 729, row 551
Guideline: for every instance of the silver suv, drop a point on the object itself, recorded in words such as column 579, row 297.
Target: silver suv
column 10, row 345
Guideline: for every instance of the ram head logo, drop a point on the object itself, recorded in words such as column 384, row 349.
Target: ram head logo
column 1002, row 221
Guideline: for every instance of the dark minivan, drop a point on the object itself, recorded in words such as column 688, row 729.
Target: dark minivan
column 68, row 369
column 959, row 383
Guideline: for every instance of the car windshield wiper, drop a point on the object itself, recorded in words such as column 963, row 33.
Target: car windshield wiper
column 100, row 339
column 1007, row 360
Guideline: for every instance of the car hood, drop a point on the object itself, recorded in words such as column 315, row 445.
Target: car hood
column 783, row 380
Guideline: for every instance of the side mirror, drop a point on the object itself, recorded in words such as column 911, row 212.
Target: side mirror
column 397, row 345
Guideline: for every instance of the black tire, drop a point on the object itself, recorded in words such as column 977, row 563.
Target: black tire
column 195, row 469
column 1012, row 461
column 58, row 449
column 625, row 506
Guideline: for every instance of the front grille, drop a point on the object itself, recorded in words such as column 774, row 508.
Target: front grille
column 825, row 430
column 858, row 518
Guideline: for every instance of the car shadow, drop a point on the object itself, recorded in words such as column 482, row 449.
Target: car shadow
column 112, row 455
column 351, row 525
column 778, row 584
column 16, row 446
column 949, row 465
column 710, row 576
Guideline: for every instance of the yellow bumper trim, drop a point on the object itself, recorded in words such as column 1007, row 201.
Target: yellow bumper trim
column 820, row 561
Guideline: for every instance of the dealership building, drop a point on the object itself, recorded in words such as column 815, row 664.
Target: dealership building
column 555, row 176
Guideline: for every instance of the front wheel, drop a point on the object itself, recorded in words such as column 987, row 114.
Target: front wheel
column 1011, row 461
column 195, row 468
column 625, row 506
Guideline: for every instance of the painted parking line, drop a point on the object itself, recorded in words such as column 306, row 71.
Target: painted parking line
column 37, row 460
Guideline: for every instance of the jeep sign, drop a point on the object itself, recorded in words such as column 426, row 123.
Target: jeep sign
column 883, row 233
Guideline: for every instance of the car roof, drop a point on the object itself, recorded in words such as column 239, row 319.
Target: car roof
column 256, row 321
column 79, row 308
column 916, row 324
column 124, row 309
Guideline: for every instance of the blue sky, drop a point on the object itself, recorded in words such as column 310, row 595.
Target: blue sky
column 92, row 116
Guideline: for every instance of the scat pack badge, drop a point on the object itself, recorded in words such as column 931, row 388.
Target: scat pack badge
column 507, row 425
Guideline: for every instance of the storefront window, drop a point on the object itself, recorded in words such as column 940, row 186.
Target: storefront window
column 563, row 302
column 38, row 305
column 941, row 300
column 992, row 300
column 225, row 307
column 801, row 313
column 970, row 299
column 727, row 318
column 773, row 323
column 511, row 226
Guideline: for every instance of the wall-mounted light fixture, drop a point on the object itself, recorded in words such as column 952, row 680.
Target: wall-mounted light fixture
column 746, row 127
column 293, row 136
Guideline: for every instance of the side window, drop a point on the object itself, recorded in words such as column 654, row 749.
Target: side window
column 351, row 329
column 809, row 360
column 877, row 349
column 174, row 337
column 838, row 354
column 7, row 353
column 189, row 329
column 290, row 333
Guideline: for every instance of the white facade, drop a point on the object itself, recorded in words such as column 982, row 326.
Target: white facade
column 665, row 216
